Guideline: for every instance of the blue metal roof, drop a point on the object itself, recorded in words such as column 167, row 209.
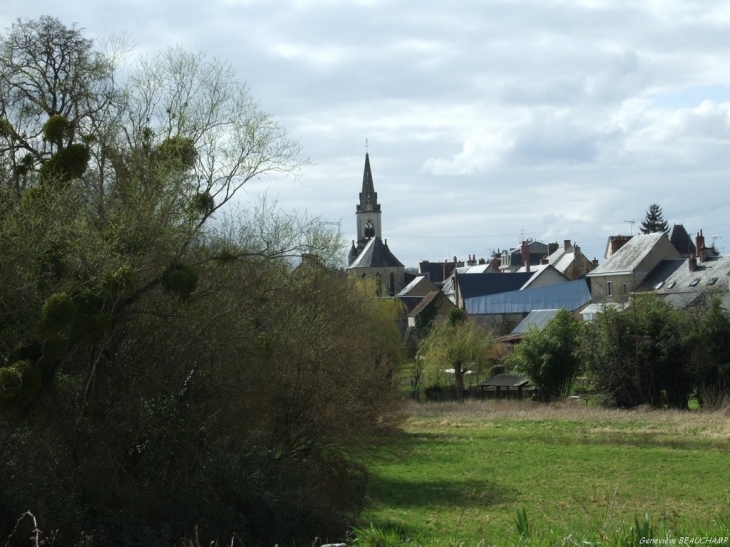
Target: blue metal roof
column 571, row 296
column 536, row 318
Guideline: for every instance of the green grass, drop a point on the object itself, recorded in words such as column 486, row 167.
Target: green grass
column 522, row 473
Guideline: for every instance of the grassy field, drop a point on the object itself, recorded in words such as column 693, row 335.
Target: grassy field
column 582, row 475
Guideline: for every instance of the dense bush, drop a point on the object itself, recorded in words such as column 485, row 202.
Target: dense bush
column 549, row 357
column 164, row 361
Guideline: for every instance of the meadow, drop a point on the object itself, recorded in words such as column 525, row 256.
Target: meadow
column 508, row 473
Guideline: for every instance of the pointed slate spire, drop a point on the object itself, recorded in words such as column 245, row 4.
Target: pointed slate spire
column 368, row 196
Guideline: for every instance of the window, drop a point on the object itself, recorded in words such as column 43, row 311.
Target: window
column 369, row 229
column 694, row 282
column 392, row 284
column 609, row 288
column 657, row 286
column 625, row 289
column 712, row 281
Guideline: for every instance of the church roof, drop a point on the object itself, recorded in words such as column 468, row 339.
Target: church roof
column 376, row 255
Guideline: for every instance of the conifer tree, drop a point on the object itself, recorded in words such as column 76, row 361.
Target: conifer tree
column 654, row 221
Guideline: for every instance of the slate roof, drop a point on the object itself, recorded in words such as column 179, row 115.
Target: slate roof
column 376, row 255
column 536, row 318
column 628, row 257
column 682, row 286
column 661, row 272
column 433, row 270
column 681, row 240
column 410, row 302
column 425, row 301
column 571, row 296
column 473, row 285
column 537, row 251
column 419, row 280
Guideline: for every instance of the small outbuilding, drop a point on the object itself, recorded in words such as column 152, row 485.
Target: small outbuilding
column 506, row 382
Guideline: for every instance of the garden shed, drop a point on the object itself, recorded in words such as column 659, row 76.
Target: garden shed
column 500, row 382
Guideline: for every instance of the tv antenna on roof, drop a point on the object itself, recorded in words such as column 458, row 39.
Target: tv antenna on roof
column 632, row 222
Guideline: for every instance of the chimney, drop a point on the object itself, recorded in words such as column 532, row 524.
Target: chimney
column 525, row 251
column 692, row 263
column 566, row 244
column 495, row 263
column 595, row 262
column 544, row 260
column 576, row 250
column 482, row 261
column 617, row 242
column 552, row 247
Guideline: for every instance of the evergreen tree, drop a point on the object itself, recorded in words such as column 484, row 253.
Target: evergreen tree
column 654, row 221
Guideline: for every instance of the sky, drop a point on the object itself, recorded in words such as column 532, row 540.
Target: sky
column 487, row 121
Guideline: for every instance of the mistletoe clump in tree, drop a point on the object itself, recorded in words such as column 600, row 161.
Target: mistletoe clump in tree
column 654, row 221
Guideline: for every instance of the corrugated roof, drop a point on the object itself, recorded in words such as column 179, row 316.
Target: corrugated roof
column 536, row 318
column 571, row 296
column 376, row 255
column 628, row 257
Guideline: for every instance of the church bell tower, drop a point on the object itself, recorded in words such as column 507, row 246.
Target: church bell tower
column 368, row 210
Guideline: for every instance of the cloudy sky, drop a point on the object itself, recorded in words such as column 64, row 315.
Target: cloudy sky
column 487, row 120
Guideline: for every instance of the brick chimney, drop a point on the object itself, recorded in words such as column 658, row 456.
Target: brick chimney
column 617, row 242
column 482, row 261
column 576, row 250
column 552, row 247
column 494, row 263
column 447, row 268
column 702, row 251
column 525, row 253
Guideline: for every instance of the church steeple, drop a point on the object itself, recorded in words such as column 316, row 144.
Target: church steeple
column 368, row 196
column 368, row 210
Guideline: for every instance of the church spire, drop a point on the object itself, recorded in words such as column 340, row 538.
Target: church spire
column 368, row 196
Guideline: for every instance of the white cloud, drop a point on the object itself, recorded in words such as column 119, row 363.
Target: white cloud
column 562, row 118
